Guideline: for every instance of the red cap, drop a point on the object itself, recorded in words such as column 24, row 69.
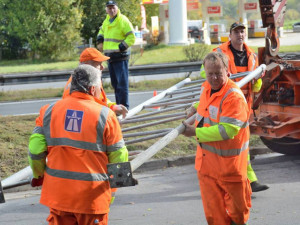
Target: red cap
column 92, row 54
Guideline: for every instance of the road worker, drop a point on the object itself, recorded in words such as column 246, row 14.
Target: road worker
column 115, row 37
column 78, row 136
column 222, row 132
column 93, row 57
column 241, row 59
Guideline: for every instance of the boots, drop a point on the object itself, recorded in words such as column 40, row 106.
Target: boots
column 256, row 187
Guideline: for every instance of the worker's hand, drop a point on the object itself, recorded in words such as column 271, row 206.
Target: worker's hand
column 100, row 47
column 35, row 182
column 189, row 130
column 120, row 110
column 190, row 111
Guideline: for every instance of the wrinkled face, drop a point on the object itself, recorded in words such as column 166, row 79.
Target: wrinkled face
column 216, row 74
column 237, row 36
column 112, row 10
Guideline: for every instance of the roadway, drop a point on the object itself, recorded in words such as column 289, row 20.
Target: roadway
column 171, row 196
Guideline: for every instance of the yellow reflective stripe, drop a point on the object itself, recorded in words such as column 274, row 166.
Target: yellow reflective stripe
column 76, row 175
column 223, row 132
column 227, row 152
column 39, row 156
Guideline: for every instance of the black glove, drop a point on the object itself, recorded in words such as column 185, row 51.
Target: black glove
column 100, row 39
column 35, row 182
column 122, row 47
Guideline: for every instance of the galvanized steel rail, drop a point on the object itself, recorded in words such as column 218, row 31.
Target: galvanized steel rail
column 56, row 76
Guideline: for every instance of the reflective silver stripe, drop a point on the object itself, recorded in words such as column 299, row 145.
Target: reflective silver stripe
column 227, row 93
column 77, row 175
column 113, row 194
column 111, row 51
column 37, row 156
column 223, row 132
column 253, row 62
column 229, row 152
column 46, row 122
column 130, row 32
column 113, row 40
column 76, row 144
column 219, row 50
column 116, row 146
column 98, row 146
column 209, row 121
column 100, row 127
column 38, row 130
column 124, row 43
column 198, row 117
column 234, row 121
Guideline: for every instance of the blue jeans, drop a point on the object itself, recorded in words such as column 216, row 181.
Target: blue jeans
column 119, row 79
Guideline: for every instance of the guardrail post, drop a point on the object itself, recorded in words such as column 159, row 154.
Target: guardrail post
column 2, row 199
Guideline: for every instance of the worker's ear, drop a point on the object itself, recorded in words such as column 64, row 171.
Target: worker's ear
column 92, row 90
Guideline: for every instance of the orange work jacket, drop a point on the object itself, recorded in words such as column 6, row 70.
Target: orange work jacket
column 224, row 160
column 233, row 69
column 79, row 133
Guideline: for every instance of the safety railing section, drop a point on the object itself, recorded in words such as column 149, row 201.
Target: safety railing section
column 56, row 76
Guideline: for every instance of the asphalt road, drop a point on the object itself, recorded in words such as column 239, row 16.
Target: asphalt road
column 172, row 196
column 33, row 106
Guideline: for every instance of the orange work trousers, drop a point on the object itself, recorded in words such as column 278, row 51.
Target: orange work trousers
column 58, row 217
column 225, row 203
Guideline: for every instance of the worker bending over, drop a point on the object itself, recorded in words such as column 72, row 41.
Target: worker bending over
column 78, row 136
column 222, row 132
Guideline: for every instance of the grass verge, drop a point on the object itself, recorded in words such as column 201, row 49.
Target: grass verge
column 16, row 130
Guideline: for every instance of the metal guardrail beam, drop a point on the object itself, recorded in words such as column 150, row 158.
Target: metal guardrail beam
column 56, row 76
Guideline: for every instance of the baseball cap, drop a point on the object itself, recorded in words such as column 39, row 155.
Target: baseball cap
column 92, row 54
column 236, row 25
column 111, row 3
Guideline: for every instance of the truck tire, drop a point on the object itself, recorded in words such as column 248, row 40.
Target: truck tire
column 287, row 146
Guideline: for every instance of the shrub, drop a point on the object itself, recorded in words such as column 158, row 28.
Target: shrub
column 196, row 52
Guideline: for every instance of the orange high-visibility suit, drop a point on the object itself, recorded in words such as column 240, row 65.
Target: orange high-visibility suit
column 79, row 137
column 222, row 164
column 233, row 69
column 247, row 89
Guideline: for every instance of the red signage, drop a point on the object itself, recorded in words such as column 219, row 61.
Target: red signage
column 192, row 5
column 214, row 9
column 250, row 6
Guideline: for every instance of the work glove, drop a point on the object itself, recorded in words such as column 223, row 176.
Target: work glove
column 122, row 47
column 120, row 109
column 190, row 111
column 35, row 182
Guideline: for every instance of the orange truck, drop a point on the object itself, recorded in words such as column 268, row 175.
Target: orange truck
column 276, row 117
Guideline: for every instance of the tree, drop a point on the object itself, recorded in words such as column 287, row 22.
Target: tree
column 50, row 28
column 94, row 14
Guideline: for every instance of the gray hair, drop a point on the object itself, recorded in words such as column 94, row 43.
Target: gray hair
column 217, row 56
column 84, row 77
